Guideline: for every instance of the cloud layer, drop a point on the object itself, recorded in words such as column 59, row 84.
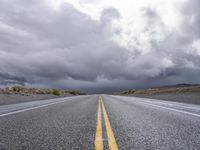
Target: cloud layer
column 69, row 48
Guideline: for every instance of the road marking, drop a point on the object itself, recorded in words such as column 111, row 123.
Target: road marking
column 30, row 108
column 98, row 137
column 176, row 104
column 111, row 139
column 180, row 111
column 164, row 107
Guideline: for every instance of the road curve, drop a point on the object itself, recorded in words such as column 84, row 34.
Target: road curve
column 100, row 122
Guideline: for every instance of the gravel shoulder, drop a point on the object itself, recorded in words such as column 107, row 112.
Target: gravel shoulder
column 191, row 98
column 6, row 99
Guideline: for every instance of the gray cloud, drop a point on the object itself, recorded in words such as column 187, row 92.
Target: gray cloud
column 68, row 49
column 6, row 79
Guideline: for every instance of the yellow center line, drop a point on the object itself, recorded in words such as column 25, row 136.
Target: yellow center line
column 111, row 139
column 98, row 137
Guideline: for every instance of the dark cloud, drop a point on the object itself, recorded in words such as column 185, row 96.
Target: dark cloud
column 7, row 79
column 66, row 48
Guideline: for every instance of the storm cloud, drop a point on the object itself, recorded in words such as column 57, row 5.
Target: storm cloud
column 66, row 47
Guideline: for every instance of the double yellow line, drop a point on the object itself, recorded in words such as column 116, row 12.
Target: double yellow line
column 110, row 136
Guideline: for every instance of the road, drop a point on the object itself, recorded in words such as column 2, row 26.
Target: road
column 100, row 122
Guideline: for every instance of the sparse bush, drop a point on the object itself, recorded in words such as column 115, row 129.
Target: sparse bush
column 55, row 92
column 25, row 91
column 73, row 92
column 16, row 88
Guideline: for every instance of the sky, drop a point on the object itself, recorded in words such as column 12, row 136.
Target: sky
column 99, row 46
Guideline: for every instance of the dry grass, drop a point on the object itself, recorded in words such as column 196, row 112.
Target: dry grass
column 28, row 91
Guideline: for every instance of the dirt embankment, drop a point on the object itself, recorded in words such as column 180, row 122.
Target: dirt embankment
column 6, row 99
column 179, row 93
column 22, row 94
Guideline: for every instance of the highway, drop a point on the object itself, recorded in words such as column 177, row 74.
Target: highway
column 100, row 122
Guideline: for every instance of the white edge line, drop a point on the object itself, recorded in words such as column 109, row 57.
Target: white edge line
column 31, row 108
column 176, row 105
column 180, row 111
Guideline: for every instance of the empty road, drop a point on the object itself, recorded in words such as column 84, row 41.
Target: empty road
column 100, row 122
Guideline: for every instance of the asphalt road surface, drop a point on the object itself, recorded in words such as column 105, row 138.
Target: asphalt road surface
column 100, row 122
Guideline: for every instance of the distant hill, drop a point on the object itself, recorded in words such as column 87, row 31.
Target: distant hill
column 181, row 85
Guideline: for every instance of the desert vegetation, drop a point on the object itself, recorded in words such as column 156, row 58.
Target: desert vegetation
column 28, row 91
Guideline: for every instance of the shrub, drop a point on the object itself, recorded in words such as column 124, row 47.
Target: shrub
column 55, row 92
column 16, row 88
